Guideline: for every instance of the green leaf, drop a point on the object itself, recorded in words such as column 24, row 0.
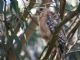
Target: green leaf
column 14, row 5
column 1, row 6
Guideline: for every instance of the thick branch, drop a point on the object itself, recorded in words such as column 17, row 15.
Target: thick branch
column 26, row 11
column 62, row 8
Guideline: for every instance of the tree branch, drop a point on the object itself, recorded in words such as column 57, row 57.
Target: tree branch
column 62, row 8
column 52, row 42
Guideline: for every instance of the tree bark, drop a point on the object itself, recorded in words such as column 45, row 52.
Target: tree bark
column 62, row 8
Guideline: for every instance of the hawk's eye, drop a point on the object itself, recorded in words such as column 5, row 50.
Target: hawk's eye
column 41, row 9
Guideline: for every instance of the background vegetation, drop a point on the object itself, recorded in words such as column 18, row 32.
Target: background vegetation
column 20, row 33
